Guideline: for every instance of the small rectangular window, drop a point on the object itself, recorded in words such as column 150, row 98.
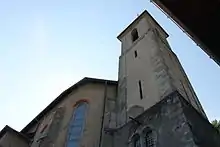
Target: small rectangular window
column 135, row 54
column 140, row 90
column 134, row 35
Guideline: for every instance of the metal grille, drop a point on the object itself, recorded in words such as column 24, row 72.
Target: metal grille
column 137, row 142
column 150, row 140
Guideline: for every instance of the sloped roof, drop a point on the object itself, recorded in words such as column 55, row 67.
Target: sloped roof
column 9, row 129
column 82, row 82
column 143, row 14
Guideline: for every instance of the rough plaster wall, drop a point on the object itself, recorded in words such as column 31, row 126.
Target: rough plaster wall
column 178, row 75
column 160, row 69
column 166, row 119
column 49, row 137
column 153, row 66
column 111, row 108
column 12, row 140
column 204, row 134
column 142, row 27
column 121, row 104
column 109, row 117
column 94, row 93
column 108, row 140
column 176, row 71
column 127, row 44
column 134, row 111
column 33, row 129
column 189, row 89
column 121, row 95
column 154, row 26
column 192, row 98
column 148, row 67
column 110, row 113
column 40, row 136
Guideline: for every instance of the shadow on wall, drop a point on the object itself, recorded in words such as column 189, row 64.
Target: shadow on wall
column 135, row 110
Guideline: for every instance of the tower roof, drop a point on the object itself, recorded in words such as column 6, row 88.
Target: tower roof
column 143, row 14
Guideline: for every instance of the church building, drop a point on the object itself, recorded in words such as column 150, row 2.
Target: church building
column 152, row 104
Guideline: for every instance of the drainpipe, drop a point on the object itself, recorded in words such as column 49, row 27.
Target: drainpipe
column 103, row 114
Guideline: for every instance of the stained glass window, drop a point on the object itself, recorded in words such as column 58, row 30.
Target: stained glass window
column 76, row 126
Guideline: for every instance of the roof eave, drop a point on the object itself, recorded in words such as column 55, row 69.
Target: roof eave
column 62, row 95
column 145, row 13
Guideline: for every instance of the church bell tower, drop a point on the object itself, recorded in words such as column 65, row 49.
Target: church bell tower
column 148, row 69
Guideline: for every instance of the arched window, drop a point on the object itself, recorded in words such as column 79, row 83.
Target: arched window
column 134, row 35
column 136, row 141
column 76, row 125
column 150, row 138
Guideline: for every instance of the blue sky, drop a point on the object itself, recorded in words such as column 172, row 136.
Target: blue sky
column 48, row 45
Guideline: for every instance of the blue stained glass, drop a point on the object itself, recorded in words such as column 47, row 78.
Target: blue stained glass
column 73, row 144
column 75, row 130
column 78, row 116
column 72, row 138
column 76, row 125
